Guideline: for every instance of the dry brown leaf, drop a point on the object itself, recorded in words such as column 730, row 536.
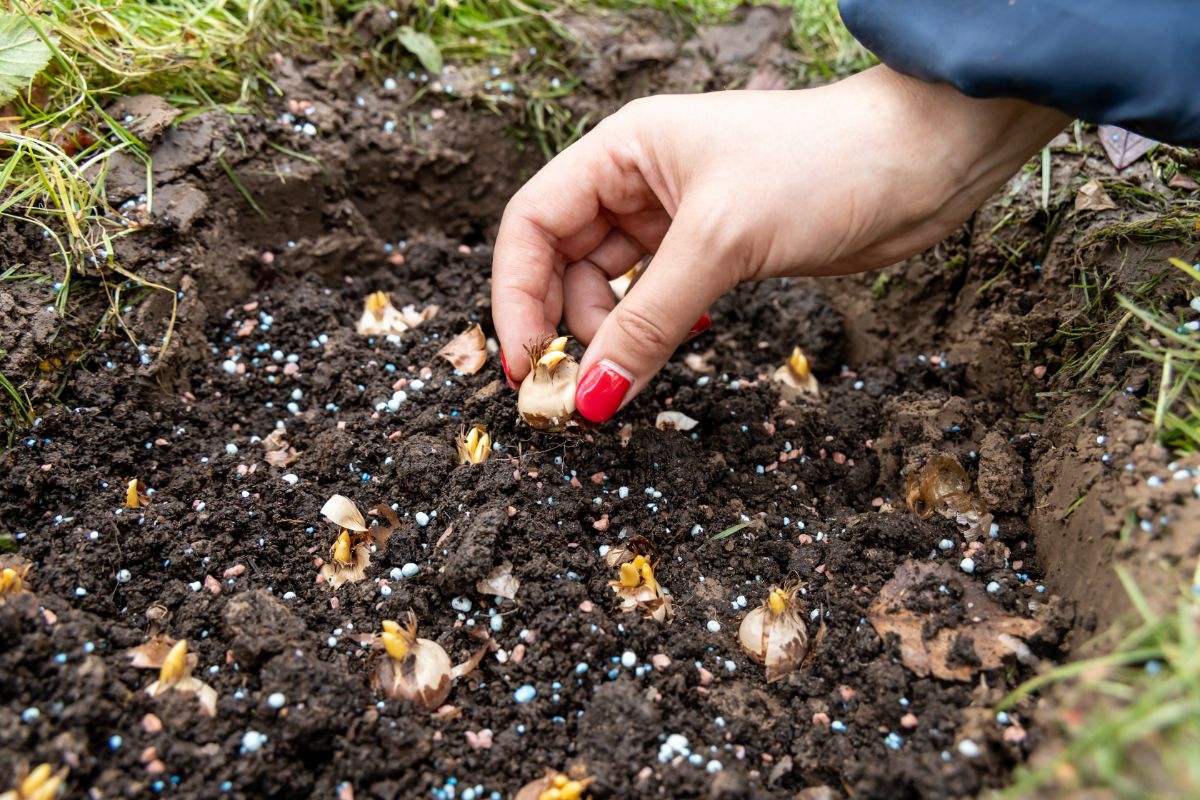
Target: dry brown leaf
column 1123, row 147
column 908, row 601
column 1092, row 197
column 467, row 351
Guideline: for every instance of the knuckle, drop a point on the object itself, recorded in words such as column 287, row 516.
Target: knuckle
column 643, row 330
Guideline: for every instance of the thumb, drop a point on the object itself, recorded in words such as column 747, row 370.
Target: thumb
column 651, row 321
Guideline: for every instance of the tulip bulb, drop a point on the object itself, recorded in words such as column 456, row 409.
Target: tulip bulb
column 547, row 396
column 380, row 317
column 40, row 783
column 12, row 580
column 795, row 378
column 413, row 669
column 555, row 785
column 774, row 634
column 474, row 446
column 637, row 586
column 135, row 494
column 176, row 675
column 350, row 554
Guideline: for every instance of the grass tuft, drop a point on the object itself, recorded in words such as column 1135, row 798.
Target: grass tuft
column 1130, row 718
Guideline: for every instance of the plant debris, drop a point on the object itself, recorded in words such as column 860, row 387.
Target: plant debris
column 974, row 634
column 1092, row 197
column 500, row 582
column 350, row 554
column 941, row 485
column 674, row 421
column 380, row 317
column 467, row 352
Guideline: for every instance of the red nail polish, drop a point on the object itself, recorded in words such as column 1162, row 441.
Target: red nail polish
column 508, row 378
column 600, row 392
column 702, row 324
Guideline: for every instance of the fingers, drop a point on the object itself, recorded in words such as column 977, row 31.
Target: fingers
column 660, row 311
column 587, row 297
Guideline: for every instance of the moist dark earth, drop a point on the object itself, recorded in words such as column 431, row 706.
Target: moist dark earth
column 227, row 553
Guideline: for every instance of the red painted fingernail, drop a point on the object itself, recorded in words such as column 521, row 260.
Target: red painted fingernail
column 702, row 324
column 504, row 365
column 600, row 392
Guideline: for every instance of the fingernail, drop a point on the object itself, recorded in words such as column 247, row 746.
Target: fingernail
column 600, row 392
column 702, row 324
column 504, row 365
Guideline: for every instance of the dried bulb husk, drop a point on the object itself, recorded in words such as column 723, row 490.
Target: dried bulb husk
column 39, row 783
column 473, row 446
column 135, row 494
column 422, row 672
column 774, row 634
column 555, row 785
column 175, row 674
column 942, row 486
column 380, row 317
column 637, row 585
column 546, row 399
column 348, row 561
column 674, row 421
column 467, row 352
column 278, row 452
column 500, row 582
column 795, row 378
column 152, row 653
column 342, row 512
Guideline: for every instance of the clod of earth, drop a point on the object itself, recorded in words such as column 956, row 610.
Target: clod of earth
column 795, row 378
column 547, row 396
column 774, row 634
column 975, row 633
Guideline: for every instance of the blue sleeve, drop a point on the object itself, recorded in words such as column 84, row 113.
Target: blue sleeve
column 1132, row 63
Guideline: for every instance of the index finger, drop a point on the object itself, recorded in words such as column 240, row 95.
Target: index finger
column 559, row 216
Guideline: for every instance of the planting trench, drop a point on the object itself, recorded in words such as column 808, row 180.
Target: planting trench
column 225, row 554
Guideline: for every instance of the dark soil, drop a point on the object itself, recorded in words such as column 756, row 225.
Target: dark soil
column 927, row 369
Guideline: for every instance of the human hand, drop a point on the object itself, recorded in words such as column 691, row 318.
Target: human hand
column 738, row 186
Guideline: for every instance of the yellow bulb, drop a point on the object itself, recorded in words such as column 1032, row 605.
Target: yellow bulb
column 647, row 572
column 174, row 665
column 550, row 358
column 553, row 793
column 472, row 439
column 638, row 561
column 10, row 581
column 132, row 497
column 798, row 363
column 777, row 600
column 391, row 626
column 35, row 779
column 341, row 548
column 395, row 646
column 558, row 781
column 559, row 344
column 572, row 790
column 483, row 448
column 630, row 575
column 47, row 791
column 377, row 302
